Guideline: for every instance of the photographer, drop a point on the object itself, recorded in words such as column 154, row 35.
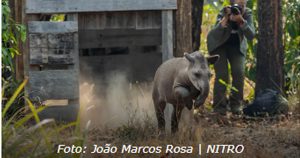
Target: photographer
column 228, row 39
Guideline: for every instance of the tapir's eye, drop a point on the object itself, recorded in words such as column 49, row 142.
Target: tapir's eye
column 197, row 74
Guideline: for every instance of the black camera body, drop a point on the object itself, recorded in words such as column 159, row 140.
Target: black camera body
column 236, row 9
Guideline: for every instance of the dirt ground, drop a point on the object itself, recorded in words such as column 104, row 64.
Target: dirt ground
column 262, row 137
column 274, row 137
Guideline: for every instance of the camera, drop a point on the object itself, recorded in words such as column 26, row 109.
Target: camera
column 236, row 9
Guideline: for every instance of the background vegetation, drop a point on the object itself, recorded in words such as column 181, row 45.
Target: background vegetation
column 12, row 35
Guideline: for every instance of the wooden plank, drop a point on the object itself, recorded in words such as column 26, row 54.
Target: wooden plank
column 62, row 41
column 56, row 102
column 118, row 20
column 53, row 84
column 38, row 40
column 167, row 35
column 52, row 43
column 148, row 20
column 107, row 20
column 71, row 6
column 92, row 20
column 52, row 56
column 60, row 113
column 119, row 38
column 52, row 27
column 52, row 40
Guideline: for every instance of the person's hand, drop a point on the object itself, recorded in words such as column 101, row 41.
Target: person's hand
column 227, row 12
column 224, row 22
column 238, row 19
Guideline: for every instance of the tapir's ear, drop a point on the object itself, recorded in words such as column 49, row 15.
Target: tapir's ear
column 212, row 59
column 189, row 57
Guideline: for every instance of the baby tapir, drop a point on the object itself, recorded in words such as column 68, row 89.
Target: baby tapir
column 181, row 82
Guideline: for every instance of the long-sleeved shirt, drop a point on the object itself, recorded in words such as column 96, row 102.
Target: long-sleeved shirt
column 218, row 35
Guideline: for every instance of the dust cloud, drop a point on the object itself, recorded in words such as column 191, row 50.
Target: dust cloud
column 115, row 101
column 109, row 100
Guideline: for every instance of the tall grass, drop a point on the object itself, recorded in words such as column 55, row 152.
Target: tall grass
column 32, row 137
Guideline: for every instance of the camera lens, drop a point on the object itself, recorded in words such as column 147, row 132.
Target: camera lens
column 236, row 9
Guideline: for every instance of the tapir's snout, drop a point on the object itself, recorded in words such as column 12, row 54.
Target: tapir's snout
column 202, row 85
column 203, row 93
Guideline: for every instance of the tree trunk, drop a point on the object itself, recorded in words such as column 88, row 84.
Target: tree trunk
column 183, row 27
column 270, row 55
column 197, row 10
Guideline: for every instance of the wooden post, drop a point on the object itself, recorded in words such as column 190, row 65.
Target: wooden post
column 167, row 35
column 18, row 16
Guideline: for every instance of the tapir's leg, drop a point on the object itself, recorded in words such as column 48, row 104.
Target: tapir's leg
column 159, row 109
column 175, row 118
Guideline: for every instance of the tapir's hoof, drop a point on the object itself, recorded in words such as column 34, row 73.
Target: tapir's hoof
column 161, row 134
column 189, row 107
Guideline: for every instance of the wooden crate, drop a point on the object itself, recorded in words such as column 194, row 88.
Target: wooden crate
column 52, row 58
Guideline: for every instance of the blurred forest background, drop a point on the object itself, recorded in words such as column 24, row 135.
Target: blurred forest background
column 13, row 100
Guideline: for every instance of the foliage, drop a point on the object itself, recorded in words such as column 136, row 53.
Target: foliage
column 252, row 45
column 291, row 12
column 210, row 12
column 58, row 17
column 229, row 87
column 12, row 35
column 11, row 32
